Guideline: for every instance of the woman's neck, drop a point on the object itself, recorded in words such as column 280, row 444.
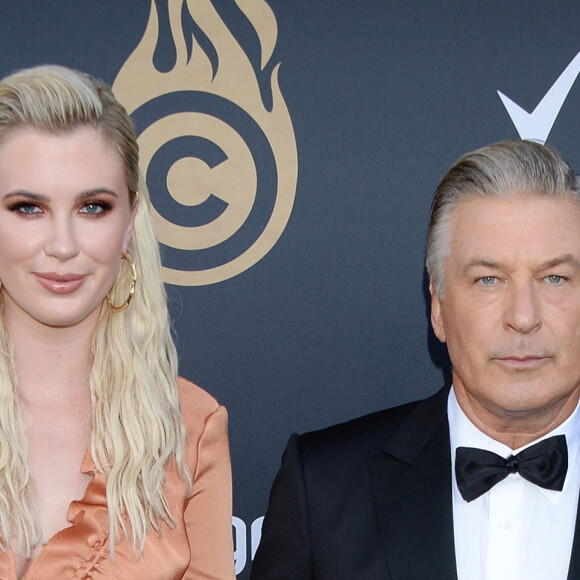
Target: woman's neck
column 51, row 362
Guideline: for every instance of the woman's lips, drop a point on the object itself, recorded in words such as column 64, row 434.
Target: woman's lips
column 60, row 283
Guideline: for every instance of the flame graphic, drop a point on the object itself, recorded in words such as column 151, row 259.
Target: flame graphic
column 191, row 182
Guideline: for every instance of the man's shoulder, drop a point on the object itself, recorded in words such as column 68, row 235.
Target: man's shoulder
column 361, row 430
column 369, row 433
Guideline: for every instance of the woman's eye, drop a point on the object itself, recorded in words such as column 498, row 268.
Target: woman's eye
column 95, row 208
column 26, row 208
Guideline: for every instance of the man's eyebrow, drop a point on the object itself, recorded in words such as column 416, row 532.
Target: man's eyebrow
column 479, row 262
column 551, row 263
column 559, row 260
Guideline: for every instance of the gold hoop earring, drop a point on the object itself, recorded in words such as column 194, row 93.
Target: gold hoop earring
column 125, row 256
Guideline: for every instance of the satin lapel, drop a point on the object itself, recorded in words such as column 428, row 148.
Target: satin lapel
column 411, row 483
column 574, row 570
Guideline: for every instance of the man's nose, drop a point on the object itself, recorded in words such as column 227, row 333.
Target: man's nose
column 522, row 312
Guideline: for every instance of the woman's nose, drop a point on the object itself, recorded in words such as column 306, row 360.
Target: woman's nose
column 61, row 241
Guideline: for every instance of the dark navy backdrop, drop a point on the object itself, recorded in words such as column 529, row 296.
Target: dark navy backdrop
column 383, row 96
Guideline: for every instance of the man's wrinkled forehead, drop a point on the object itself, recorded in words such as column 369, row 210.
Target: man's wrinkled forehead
column 476, row 219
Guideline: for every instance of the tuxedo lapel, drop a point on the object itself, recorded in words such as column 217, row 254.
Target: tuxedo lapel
column 411, row 484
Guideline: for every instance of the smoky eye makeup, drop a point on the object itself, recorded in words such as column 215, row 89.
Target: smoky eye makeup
column 96, row 207
column 24, row 207
column 23, row 202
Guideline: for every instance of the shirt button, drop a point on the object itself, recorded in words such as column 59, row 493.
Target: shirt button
column 504, row 524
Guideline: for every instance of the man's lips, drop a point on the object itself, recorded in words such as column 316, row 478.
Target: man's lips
column 521, row 362
column 60, row 283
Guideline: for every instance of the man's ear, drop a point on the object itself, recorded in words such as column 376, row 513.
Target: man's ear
column 436, row 318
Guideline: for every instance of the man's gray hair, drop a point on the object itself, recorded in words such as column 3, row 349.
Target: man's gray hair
column 497, row 171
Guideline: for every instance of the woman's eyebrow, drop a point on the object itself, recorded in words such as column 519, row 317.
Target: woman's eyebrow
column 28, row 195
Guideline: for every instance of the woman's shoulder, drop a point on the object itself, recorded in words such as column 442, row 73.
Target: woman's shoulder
column 206, row 424
column 197, row 405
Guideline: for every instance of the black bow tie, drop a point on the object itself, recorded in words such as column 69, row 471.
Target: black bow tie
column 544, row 464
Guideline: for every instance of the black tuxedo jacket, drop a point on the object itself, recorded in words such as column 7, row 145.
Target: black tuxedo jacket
column 368, row 499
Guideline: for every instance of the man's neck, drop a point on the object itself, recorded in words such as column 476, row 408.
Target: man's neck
column 515, row 429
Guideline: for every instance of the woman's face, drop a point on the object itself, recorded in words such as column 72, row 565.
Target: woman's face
column 65, row 219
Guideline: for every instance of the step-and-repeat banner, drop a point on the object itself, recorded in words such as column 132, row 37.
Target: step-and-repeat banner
column 291, row 149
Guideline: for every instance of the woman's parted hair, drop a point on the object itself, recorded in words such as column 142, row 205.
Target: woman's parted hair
column 136, row 415
column 498, row 171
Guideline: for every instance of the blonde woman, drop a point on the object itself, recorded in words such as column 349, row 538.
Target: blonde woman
column 110, row 465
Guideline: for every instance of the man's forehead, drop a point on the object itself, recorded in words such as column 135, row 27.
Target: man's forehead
column 474, row 206
column 483, row 261
column 544, row 228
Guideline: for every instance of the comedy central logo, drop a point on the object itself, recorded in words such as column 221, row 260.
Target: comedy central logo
column 218, row 150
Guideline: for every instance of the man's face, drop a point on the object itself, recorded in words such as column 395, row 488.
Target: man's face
column 510, row 312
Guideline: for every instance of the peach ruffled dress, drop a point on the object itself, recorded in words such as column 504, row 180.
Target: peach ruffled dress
column 199, row 547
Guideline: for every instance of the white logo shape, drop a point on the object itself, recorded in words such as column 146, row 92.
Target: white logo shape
column 536, row 126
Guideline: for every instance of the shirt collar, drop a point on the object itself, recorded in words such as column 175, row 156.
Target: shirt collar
column 463, row 433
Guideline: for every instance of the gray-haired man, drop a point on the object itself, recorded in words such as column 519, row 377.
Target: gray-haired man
column 480, row 481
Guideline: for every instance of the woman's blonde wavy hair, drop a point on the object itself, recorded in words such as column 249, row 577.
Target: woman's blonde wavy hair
column 137, row 426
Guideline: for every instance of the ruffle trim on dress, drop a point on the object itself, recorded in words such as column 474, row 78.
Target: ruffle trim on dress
column 99, row 553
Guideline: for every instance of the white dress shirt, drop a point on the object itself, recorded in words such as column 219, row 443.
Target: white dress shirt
column 517, row 530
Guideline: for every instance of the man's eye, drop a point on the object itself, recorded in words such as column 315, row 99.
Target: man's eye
column 487, row 280
column 555, row 279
